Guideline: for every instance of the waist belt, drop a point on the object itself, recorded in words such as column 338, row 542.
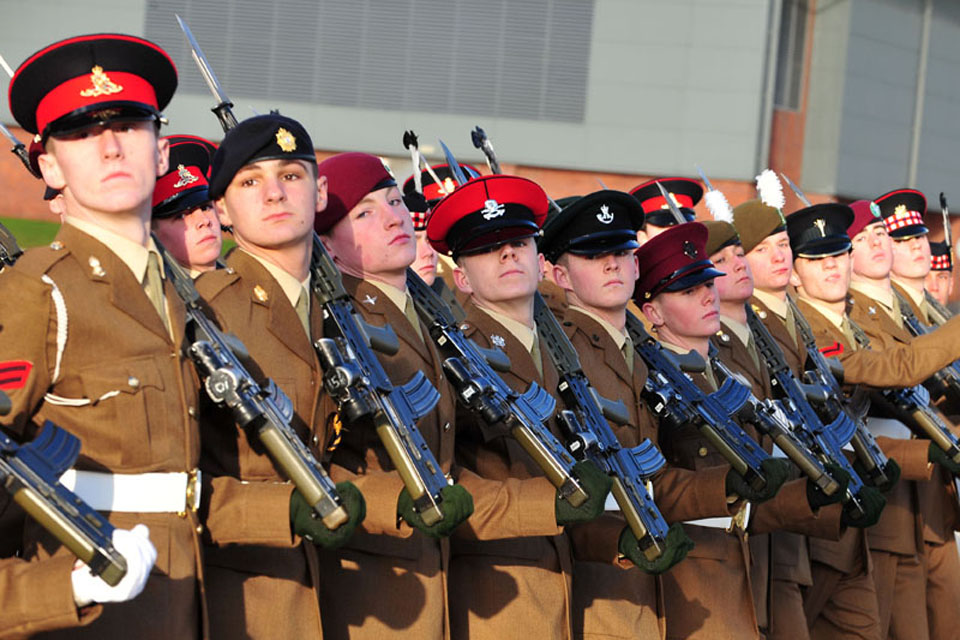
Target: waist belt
column 136, row 492
column 889, row 428
column 727, row 523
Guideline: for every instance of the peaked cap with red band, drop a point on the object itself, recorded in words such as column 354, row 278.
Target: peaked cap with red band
column 486, row 212
column 350, row 177
column 433, row 191
column 686, row 193
column 186, row 185
column 902, row 211
column 91, row 79
column 865, row 213
column 673, row 261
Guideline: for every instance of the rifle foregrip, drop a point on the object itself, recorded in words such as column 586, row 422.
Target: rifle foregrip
column 649, row 544
column 807, row 464
column 425, row 504
column 938, row 434
column 570, row 490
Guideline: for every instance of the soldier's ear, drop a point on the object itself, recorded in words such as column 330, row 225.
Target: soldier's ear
column 541, row 266
column 562, row 277
column 321, row 193
column 50, row 170
column 163, row 156
column 652, row 311
column 461, row 280
column 325, row 239
column 220, row 207
column 795, row 280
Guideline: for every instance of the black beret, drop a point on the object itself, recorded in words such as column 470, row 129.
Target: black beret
column 266, row 137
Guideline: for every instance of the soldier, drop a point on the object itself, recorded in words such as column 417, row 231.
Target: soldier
column 709, row 594
column 262, row 577
column 819, row 240
column 497, row 585
column 939, row 282
column 183, row 215
column 99, row 334
column 686, row 194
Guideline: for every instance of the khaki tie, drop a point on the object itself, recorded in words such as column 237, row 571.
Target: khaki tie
column 535, row 354
column 628, row 353
column 410, row 311
column 752, row 350
column 848, row 333
column 303, row 310
column 153, row 287
column 791, row 322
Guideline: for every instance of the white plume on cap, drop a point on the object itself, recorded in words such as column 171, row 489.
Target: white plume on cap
column 718, row 206
column 770, row 189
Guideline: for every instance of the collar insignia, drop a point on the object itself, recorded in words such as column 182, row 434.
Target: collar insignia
column 102, row 84
column 498, row 341
column 605, row 216
column 821, row 224
column 286, row 141
column 260, row 293
column 369, row 299
column 872, row 310
column 95, row 267
column 185, row 177
column 492, row 209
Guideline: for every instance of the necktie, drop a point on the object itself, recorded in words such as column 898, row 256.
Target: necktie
column 752, row 350
column 153, row 287
column 848, row 333
column 303, row 310
column 535, row 354
column 791, row 323
column 628, row 353
column 410, row 311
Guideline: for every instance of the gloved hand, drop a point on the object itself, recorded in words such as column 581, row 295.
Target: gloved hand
column 597, row 485
column 936, row 455
column 816, row 498
column 306, row 523
column 872, row 501
column 891, row 470
column 776, row 471
column 135, row 546
column 457, row 505
column 675, row 548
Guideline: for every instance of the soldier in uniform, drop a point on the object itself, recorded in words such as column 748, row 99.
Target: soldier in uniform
column 183, row 216
column 261, row 564
column 686, row 193
column 939, row 282
column 97, row 333
column 819, row 240
column 488, row 226
column 709, row 594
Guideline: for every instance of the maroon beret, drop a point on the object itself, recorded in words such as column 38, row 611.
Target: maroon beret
column 350, row 177
column 865, row 213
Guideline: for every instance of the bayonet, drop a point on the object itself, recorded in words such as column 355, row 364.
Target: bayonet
column 454, row 166
column 947, row 230
column 704, row 179
column 224, row 107
column 6, row 67
column 674, row 209
column 19, row 150
column 482, row 142
column 796, row 190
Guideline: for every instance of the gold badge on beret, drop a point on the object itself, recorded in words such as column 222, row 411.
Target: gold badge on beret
column 286, row 141
column 102, row 84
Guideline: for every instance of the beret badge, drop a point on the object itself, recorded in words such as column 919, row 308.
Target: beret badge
column 286, row 141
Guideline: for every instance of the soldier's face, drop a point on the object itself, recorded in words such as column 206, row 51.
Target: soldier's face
column 689, row 314
column 940, row 285
column 737, row 284
column 110, row 168
column 911, row 257
column 426, row 263
column 193, row 238
column 505, row 273
column 376, row 237
column 271, row 204
column 872, row 252
column 825, row 279
column 604, row 281
column 771, row 263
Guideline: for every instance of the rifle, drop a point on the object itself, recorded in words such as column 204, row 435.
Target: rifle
column 585, row 421
column 30, row 473
column 677, row 401
column 354, row 377
column 9, row 249
column 470, row 371
column 824, row 440
column 940, row 314
column 946, row 381
column 819, row 372
column 912, row 406
column 265, row 411
column 19, row 150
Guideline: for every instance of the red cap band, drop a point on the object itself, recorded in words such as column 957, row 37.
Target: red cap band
column 91, row 89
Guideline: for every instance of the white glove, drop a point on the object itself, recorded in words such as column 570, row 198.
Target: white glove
column 135, row 546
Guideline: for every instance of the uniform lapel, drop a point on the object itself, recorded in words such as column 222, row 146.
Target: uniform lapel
column 601, row 339
column 521, row 363
column 372, row 301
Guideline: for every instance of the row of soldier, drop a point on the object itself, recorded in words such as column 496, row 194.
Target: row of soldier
column 219, row 543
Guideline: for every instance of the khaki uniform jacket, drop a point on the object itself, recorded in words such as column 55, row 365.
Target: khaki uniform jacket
column 140, row 418
column 262, row 581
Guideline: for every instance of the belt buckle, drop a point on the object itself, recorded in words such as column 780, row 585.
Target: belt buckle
column 192, row 497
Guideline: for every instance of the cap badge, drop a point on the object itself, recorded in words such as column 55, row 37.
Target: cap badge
column 185, row 177
column 666, row 205
column 102, row 84
column 492, row 209
column 498, row 341
column 448, row 185
column 286, row 141
column 875, row 209
column 821, row 224
column 260, row 293
column 689, row 249
column 605, row 216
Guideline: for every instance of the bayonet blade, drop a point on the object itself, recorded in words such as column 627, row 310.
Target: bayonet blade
column 674, row 209
column 19, row 150
column 223, row 108
column 6, row 67
column 454, row 165
column 704, row 179
column 796, row 190
column 947, row 229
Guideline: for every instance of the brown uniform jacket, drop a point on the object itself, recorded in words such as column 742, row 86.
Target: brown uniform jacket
column 141, row 415
column 262, row 582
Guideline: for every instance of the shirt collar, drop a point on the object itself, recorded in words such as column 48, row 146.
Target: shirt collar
column 772, row 302
column 397, row 296
column 619, row 337
column 836, row 319
column 739, row 329
column 874, row 292
column 916, row 296
column 292, row 288
column 520, row 331
column 133, row 255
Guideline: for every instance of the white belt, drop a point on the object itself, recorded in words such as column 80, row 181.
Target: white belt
column 726, row 523
column 889, row 428
column 136, row 492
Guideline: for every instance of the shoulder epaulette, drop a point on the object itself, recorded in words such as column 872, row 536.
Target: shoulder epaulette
column 38, row 260
column 212, row 283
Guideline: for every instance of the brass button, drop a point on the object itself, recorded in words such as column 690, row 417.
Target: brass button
column 702, row 452
column 192, row 412
column 315, row 440
column 133, row 381
column 446, row 427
